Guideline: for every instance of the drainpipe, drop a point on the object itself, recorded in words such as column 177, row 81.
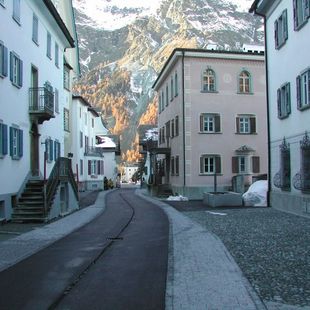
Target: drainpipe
column 183, row 119
column 268, row 104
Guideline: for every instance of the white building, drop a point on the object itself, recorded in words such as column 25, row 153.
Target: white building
column 32, row 116
column 287, row 29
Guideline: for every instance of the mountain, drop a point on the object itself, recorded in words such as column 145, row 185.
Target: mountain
column 123, row 48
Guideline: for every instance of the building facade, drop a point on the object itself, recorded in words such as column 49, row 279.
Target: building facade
column 287, row 31
column 32, row 116
column 212, row 120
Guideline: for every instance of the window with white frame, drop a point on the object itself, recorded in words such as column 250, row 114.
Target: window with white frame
column 210, row 164
column 210, row 123
column 280, row 30
column 3, row 60
column 208, row 80
column 245, row 164
column 16, row 70
column 93, row 167
column 284, row 100
column 244, row 82
column 303, row 90
column 66, row 120
column 246, row 124
column 56, row 55
column 3, row 140
column 35, row 29
column 301, row 13
column 16, row 143
column 48, row 45
column 16, row 11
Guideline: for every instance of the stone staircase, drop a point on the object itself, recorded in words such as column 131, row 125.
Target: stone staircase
column 30, row 206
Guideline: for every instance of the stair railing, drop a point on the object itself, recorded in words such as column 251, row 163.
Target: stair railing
column 61, row 171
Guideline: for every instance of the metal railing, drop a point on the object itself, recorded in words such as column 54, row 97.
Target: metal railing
column 41, row 99
column 93, row 151
column 282, row 180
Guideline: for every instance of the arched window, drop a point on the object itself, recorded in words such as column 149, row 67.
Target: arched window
column 208, row 80
column 244, row 82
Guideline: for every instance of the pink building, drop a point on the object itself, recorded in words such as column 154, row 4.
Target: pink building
column 212, row 120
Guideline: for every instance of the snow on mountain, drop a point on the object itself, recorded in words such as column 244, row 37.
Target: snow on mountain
column 115, row 14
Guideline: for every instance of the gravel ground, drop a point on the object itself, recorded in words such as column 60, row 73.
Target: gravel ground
column 272, row 248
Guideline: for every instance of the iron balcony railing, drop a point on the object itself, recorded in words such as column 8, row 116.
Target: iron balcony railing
column 41, row 99
column 93, row 151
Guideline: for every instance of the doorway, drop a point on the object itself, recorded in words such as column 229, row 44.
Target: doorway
column 34, row 150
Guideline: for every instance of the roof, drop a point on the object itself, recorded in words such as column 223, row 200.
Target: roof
column 82, row 99
column 193, row 52
column 49, row 4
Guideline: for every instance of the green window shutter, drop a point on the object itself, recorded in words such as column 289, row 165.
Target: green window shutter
column 98, row 167
column 284, row 20
column 276, row 34
column 201, row 164
column 51, row 149
column 20, row 70
column 217, row 120
column 218, row 164
column 298, row 91
column 5, row 139
column 11, row 66
column 20, row 143
column 253, row 124
column 255, row 164
column 288, row 98
column 11, row 141
column 238, row 124
column 5, row 62
column 55, row 150
column 279, row 103
column 89, row 167
column 235, row 164
column 201, row 122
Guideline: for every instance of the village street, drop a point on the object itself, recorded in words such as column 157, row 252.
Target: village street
column 141, row 253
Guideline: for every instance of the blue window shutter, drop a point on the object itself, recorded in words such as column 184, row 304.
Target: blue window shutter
column 5, row 139
column 279, row 103
column 20, row 78
column 55, row 150
column 5, row 61
column 51, row 150
column 11, row 66
column 20, row 143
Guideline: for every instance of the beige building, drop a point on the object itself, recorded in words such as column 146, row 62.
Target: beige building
column 212, row 120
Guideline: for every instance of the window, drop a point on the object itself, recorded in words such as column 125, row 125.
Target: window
column 210, row 123
column 56, row 96
column 16, row 70
column 282, row 179
column 56, row 55
column 56, row 150
column 167, row 95
column 280, row 30
column 301, row 13
column 208, row 80
column 16, row 11
column 210, row 164
column 81, row 139
column 66, row 120
column 284, row 101
column 176, row 86
column 244, row 82
column 303, row 90
column 95, row 167
column 246, row 124
column 16, row 143
column 3, row 140
column 241, row 164
column 49, row 45
column 3, row 60
column 171, row 89
column 35, row 29
column 176, row 126
column 81, row 167
column 66, row 77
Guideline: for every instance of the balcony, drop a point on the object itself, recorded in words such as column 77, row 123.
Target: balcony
column 41, row 104
column 93, row 151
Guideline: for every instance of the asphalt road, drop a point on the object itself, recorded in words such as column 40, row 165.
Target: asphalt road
column 118, row 261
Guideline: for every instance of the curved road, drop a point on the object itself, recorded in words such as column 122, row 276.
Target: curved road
column 118, row 261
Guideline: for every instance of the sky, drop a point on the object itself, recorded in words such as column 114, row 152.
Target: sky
column 102, row 18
